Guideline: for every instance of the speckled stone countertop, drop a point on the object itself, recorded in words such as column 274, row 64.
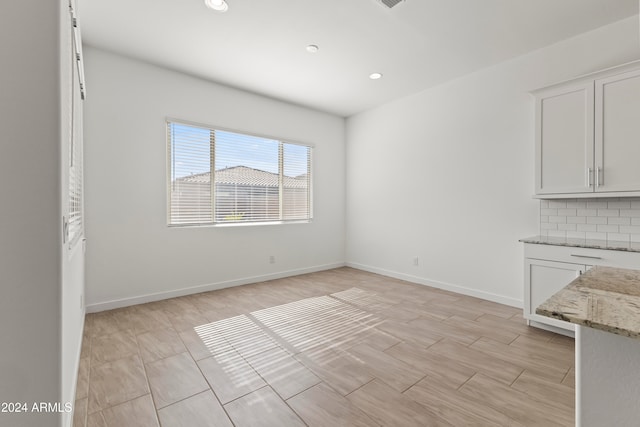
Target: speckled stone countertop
column 603, row 298
column 584, row 243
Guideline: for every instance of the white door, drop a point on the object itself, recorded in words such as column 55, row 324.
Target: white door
column 564, row 139
column 617, row 132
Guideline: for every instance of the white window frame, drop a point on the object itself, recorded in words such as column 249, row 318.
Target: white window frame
column 213, row 221
column 74, row 222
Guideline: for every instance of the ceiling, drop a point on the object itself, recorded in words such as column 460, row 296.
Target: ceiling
column 259, row 45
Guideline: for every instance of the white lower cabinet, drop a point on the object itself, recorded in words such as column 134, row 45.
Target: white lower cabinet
column 542, row 280
column 550, row 268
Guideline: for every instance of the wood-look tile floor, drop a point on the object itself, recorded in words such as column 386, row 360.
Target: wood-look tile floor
column 335, row 348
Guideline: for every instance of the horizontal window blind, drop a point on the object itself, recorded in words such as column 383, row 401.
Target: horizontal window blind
column 75, row 225
column 218, row 176
column 296, row 180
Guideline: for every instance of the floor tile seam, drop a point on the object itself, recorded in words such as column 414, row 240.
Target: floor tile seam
column 151, row 329
column 292, row 329
column 475, row 372
column 471, row 343
column 91, row 365
column 119, row 331
column 422, row 378
column 518, row 335
column 549, row 405
column 344, row 301
column 244, row 395
column 75, row 406
column 86, row 412
column 429, row 410
column 120, row 358
column 238, row 351
column 484, row 372
column 432, row 414
column 146, row 377
column 214, row 392
column 552, row 403
column 207, row 380
column 96, row 365
column 533, row 398
column 546, row 358
column 248, row 362
column 333, row 389
column 478, row 370
column 516, row 379
column 405, row 366
column 477, row 401
column 566, row 375
column 273, row 336
column 532, row 365
column 119, row 403
column 394, row 345
column 266, row 383
column 361, row 386
column 269, row 332
column 228, row 343
column 461, row 410
column 437, row 342
column 186, row 398
column 286, row 401
column 482, row 335
column 100, row 335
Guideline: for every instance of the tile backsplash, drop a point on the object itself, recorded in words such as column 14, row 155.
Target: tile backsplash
column 598, row 218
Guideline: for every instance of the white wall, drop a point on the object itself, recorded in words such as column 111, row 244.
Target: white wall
column 132, row 255
column 447, row 174
column 72, row 258
column 30, row 230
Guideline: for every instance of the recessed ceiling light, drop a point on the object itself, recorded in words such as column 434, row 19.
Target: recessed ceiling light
column 312, row 48
column 217, row 5
column 375, row 76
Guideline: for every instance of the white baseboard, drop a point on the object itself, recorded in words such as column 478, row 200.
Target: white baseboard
column 125, row 302
column 67, row 420
column 501, row 299
column 551, row 328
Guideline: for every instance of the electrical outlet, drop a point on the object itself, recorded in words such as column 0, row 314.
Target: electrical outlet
column 272, row 259
column 416, row 261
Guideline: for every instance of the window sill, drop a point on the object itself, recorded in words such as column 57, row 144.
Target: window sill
column 240, row 224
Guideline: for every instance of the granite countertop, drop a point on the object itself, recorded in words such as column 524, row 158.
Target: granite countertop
column 613, row 245
column 603, row 298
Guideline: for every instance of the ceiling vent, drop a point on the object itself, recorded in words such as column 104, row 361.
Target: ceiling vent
column 390, row 3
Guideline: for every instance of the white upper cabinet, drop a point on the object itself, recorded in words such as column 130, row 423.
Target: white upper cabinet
column 617, row 132
column 564, row 140
column 588, row 135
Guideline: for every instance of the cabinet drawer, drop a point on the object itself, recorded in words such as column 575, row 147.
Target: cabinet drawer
column 604, row 257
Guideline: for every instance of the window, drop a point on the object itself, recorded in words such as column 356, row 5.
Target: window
column 221, row 177
column 74, row 226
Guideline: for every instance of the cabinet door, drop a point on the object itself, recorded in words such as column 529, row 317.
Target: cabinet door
column 617, row 132
column 564, row 139
column 542, row 280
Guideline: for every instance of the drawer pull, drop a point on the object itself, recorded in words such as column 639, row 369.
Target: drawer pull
column 586, row 256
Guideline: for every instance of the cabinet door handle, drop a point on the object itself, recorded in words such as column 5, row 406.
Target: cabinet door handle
column 586, row 256
column 598, row 177
column 589, row 183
